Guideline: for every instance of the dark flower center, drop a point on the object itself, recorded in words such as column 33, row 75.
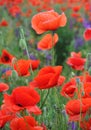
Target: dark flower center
column 19, row 105
column 6, row 58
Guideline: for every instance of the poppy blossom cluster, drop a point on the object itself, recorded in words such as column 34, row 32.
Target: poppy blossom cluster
column 21, row 66
column 78, row 90
column 22, row 98
column 19, row 105
column 14, row 7
column 24, row 123
column 48, row 21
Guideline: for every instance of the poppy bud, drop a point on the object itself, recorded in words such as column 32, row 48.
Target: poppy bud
column 73, row 74
column 14, row 75
column 88, row 61
column 22, row 44
column 26, row 81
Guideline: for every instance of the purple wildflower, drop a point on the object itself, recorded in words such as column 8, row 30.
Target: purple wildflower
column 48, row 59
column 32, row 57
column 5, row 70
column 71, row 23
column 72, row 125
column 17, row 33
column 86, row 23
column 27, row 33
column 18, row 16
column 79, row 42
column 39, row 50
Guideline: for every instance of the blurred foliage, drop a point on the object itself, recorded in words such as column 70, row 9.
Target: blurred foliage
column 63, row 47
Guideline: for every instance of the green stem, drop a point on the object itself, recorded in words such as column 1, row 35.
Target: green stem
column 79, row 90
column 45, row 99
column 52, row 50
column 27, row 52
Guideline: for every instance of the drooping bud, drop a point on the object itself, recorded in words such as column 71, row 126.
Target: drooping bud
column 14, row 75
column 88, row 61
column 22, row 44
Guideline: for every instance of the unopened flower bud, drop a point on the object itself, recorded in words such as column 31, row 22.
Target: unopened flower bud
column 22, row 44
column 14, row 75
column 88, row 61
column 72, row 74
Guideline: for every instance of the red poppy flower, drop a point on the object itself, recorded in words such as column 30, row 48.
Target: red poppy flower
column 69, row 89
column 86, row 79
column 5, row 116
column 48, row 41
column 22, row 66
column 61, row 79
column 76, row 108
column 87, row 6
column 7, row 74
column 6, row 57
column 49, row 20
column 27, row 13
column 14, row 10
column 3, row 87
column 35, row 3
column 17, row 1
column 74, row 54
column 2, row 2
column 34, row 64
column 76, row 8
column 49, row 76
column 87, row 89
column 34, row 109
column 13, row 2
column 4, row 23
column 21, row 98
column 86, row 124
column 44, row 127
column 87, row 34
column 75, row 15
column 63, row 9
column 76, row 61
column 24, row 123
